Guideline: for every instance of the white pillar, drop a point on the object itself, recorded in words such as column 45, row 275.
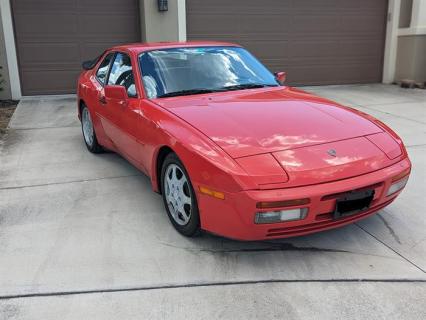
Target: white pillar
column 163, row 26
column 391, row 46
column 181, row 20
column 9, row 39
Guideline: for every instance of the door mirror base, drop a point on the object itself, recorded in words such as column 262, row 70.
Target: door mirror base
column 116, row 92
column 280, row 77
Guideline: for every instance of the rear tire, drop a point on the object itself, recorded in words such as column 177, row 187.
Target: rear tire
column 179, row 197
column 88, row 130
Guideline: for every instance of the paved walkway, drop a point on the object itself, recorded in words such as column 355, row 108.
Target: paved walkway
column 83, row 236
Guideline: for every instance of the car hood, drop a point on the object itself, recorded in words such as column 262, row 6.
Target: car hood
column 250, row 122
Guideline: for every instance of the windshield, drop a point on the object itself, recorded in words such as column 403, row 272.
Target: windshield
column 183, row 71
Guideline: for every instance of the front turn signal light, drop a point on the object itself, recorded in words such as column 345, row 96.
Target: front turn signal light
column 404, row 173
column 212, row 193
column 280, row 204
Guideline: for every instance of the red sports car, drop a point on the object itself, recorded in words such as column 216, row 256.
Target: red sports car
column 231, row 149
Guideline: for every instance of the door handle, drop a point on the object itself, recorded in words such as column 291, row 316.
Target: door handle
column 102, row 100
column 123, row 103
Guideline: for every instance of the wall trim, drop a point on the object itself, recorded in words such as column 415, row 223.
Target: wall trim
column 391, row 42
column 416, row 31
column 181, row 20
column 11, row 57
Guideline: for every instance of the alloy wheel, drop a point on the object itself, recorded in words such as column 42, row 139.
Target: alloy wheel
column 88, row 132
column 178, row 195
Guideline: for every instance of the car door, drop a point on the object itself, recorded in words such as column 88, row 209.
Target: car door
column 125, row 119
column 105, row 115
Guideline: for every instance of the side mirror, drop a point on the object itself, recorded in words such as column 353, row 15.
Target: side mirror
column 115, row 92
column 280, row 76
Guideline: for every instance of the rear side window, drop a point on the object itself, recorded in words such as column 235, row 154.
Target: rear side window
column 102, row 72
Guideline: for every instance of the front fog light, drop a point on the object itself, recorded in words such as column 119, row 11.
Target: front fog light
column 397, row 186
column 280, row 216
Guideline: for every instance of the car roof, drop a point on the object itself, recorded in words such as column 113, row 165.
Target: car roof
column 147, row 46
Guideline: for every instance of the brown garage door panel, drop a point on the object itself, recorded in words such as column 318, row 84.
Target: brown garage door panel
column 316, row 42
column 54, row 37
column 51, row 81
column 33, row 54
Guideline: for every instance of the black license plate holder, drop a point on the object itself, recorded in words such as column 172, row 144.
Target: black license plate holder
column 353, row 202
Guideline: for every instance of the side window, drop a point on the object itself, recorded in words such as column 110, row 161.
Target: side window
column 102, row 72
column 121, row 74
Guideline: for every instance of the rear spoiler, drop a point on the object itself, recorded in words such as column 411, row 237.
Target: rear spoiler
column 90, row 64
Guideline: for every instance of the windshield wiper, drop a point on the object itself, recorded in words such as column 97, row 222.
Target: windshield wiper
column 205, row 90
column 248, row 86
column 187, row 92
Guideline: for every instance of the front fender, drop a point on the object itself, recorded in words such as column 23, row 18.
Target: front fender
column 205, row 162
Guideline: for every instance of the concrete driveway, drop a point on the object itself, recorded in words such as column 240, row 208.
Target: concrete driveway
column 82, row 236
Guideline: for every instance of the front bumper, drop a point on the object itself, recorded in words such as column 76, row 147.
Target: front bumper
column 234, row 216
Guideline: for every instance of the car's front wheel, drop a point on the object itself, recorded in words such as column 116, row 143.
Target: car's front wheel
column 179, row 197
column 89, row 131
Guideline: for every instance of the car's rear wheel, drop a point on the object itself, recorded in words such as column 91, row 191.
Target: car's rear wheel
column 179, row 197
column 89, row 131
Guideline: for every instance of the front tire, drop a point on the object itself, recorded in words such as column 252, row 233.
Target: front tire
column 179, row 197
column 88, row 130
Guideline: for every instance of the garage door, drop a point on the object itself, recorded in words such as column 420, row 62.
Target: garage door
column 53, row 38
column 316, row 42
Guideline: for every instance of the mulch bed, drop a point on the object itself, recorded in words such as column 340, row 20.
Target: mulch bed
column 7, row 108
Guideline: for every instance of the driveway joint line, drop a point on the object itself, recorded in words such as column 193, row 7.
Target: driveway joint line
column 391, row 103
column 390, row 248
column 205, row 284
column 391, row 114
column 68, row 182
column 416, row 145
column 42, row 128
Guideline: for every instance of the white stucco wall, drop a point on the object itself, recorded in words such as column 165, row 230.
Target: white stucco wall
column 163, row 26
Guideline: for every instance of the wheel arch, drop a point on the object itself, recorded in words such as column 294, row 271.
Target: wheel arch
column 159, row 160
column 81, row 103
